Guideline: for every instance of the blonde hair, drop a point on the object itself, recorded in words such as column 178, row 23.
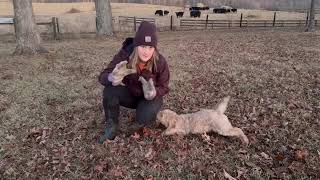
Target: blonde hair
column 150, row 65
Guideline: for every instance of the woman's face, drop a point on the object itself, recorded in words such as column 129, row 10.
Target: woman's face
column 145, row 52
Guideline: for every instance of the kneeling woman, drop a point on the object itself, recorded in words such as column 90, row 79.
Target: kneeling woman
column 137, row 65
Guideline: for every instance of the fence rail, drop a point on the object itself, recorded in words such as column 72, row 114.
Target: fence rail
column 133, row 21
column 201, row 23
column 54, row 24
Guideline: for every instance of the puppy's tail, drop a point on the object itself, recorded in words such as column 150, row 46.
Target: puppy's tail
column 223, row 105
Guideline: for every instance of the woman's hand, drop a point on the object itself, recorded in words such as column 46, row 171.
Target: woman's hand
column 149, row 90
column 119, row 72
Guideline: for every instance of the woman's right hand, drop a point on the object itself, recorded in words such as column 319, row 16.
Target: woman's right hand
column 119, row 72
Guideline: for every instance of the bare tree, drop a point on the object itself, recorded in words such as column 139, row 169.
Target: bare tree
column 311, row 22
column 103, row 18
column 27, row 37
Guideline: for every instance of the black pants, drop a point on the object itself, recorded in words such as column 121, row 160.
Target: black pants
column 115, row 96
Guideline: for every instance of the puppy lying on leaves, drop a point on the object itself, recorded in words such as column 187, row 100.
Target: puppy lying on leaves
column 203, row 121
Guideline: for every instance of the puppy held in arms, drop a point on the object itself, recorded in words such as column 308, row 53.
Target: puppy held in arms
column 203, row 121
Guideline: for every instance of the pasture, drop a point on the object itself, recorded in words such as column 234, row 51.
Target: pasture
column 82, row 18
column 51, row 112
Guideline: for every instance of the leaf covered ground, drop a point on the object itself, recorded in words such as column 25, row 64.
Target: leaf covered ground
column 51, row 112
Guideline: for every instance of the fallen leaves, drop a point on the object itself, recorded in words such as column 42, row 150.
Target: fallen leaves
column 135, row 135
column 101, row 167
column 301, row 154
column 265, row 156
column 10, row 137
column 277, row 107
column 116, row 172
column 228, row 176
column 39, row 134
column 150, row 154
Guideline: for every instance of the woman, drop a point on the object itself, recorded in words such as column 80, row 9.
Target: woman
column 138, row 61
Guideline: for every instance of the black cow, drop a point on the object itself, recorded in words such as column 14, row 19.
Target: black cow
column 194, row 8
column 219, row 10
column 195, row 13
column 179, row 14
column 159, row 13
column 166, row 12
column 234, row 10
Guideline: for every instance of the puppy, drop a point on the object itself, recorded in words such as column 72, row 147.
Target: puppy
column 203, row 121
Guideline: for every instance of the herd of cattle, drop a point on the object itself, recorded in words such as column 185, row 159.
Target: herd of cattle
column 196, row 11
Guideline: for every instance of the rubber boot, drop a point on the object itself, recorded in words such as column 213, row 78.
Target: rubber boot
column 112, row 123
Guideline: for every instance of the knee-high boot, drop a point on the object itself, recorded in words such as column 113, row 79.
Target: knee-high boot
column 111, row 109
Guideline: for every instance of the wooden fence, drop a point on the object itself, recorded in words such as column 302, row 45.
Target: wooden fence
column 54, row 24
column 210, row 24
column 133, row 22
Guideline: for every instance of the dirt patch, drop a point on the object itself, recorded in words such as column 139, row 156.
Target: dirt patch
column 51, row 112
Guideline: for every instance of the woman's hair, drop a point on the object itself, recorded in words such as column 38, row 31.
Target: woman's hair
column 151, row 64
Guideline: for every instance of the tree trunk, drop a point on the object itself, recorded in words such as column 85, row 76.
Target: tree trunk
column 27, row 36
column 311, row 22
column 103, row 18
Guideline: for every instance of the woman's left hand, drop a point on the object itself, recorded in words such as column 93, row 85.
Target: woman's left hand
column 148, row 87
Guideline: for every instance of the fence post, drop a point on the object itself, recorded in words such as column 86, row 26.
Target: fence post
column 315, row 22
column 307, row 19
column 14, row 26
column 207, row 21
column 274, row 19
column 54, row 28
column 241, row 20
column 171, row 23
column 229, row 23
column 135, row 24
column 58, row 28
column 96, row 24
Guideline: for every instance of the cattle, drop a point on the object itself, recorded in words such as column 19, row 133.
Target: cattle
column 234, row 10
column 159, row 13
column 165, row 12
column 195, row 13
column 224, row 9
column 179, row 14
column 219, row 10
column 195, row 8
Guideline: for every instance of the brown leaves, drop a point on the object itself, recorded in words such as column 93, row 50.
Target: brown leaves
column 145, row 132
column 136, row 135
column 265, row 156
column 271, row 101
column 116, row 172
column 40, row 134
column 150, row 154
column 228, row 176
column 101, row 167
column 301, row 154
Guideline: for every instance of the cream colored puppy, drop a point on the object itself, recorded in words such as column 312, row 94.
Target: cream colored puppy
column 203, row 121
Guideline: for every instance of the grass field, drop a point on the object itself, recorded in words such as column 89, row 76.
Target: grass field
column 51, row 111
